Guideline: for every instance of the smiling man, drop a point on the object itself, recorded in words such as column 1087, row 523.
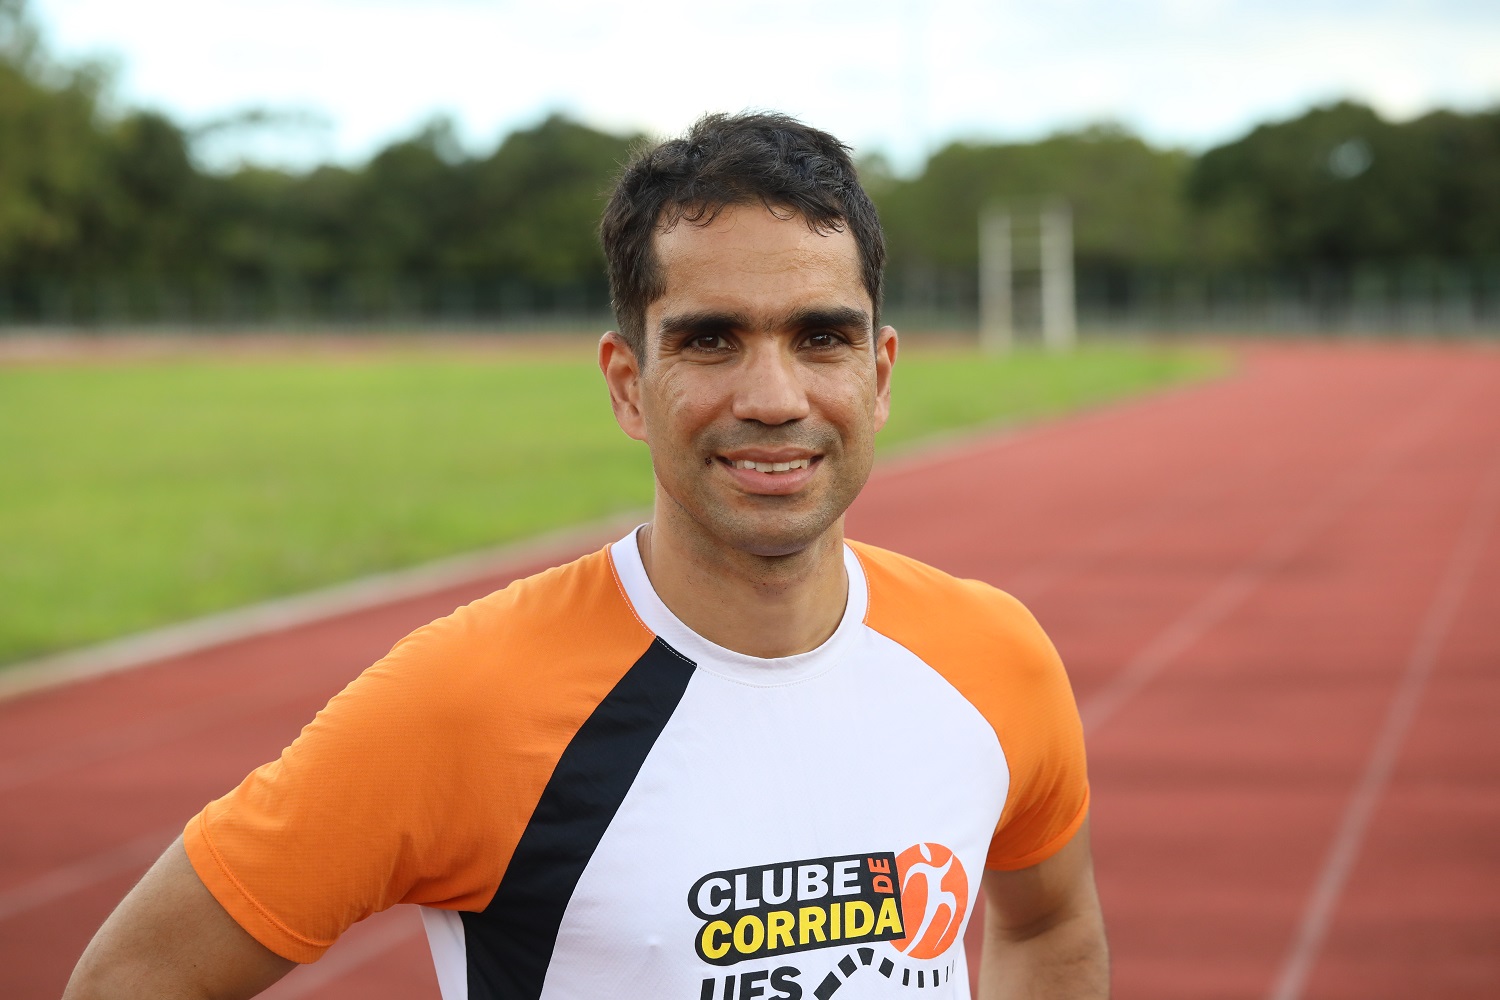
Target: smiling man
column 729, row 757
column 759, row 391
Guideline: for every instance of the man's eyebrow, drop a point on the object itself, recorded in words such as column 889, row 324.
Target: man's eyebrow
column 831, row 317
column 720, row 321
column 707, row 321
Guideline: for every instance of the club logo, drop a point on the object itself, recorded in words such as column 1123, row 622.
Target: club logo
column 934, row 899
column 779, row 909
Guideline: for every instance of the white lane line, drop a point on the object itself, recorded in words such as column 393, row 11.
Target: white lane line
column 346, row 956
column 277, row 615
column 1317, row 917
column 964, row 443
column 302, row 609
column 1032, row 581
column 107, row 744
column 1230, row 593
column 135, row 855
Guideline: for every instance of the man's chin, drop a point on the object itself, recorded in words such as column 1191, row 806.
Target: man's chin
column 764, row 527
column 777, row 538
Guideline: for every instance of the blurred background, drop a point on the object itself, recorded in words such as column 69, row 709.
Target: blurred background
column 298, row 300
column 1230, row 165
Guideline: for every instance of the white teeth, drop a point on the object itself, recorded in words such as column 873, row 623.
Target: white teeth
column 800, row 463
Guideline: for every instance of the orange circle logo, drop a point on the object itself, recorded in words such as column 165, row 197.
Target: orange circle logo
column 934, row 899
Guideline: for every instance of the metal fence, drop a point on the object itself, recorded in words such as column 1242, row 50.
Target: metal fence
column 1420, row 297
column 1412, row 298
column 360, row 301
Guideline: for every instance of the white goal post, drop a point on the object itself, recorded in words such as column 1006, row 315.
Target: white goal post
column 1048, row 250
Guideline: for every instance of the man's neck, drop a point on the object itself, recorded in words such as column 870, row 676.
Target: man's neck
column 756, row 605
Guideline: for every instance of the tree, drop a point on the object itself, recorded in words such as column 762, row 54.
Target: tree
column 52, row 164
column 536, row 206
column 1339, row 185
column 1125, row 195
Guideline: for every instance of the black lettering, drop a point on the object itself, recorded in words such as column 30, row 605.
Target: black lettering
column 750, row 987
column 744, row 914
column 784, row 981
column 708, row 990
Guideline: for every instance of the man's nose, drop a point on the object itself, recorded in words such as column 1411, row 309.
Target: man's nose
column 771, row 389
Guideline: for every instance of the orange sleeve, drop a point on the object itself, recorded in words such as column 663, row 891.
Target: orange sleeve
column 994, row 653
column 415, row 783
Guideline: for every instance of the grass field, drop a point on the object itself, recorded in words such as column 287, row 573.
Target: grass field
column 142, row 492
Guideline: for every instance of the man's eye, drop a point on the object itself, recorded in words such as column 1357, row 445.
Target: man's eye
column 823, row 340
column 707, row 342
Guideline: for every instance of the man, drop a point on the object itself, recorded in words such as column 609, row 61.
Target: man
column 729, row 757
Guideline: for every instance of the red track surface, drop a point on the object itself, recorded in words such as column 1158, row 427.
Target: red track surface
column 1279, row 599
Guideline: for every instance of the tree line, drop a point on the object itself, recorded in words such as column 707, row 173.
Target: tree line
column 109, row 215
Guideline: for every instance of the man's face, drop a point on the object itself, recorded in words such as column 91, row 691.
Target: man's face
column 762, row 382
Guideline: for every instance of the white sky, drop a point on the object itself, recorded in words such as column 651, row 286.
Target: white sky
column 898, row 76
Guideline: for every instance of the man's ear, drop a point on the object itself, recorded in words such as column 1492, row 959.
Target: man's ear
column 622, row 373
column 885, row 360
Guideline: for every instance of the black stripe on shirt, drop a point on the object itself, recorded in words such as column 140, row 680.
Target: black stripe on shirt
column 510, row 943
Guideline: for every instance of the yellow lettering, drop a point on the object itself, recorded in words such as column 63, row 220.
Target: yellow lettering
column 859, row 917
column 779, row 924
column 810, row 924
column 749, row 934
column 711, row 943
column 836, row 913
column 889, row 918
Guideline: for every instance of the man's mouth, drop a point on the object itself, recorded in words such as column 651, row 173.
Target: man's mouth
column 799, row 463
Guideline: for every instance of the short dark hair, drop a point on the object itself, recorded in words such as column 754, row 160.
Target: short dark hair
column 729, row 160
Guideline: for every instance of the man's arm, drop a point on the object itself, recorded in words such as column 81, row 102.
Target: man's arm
column 171, row 940
column 1043, row 930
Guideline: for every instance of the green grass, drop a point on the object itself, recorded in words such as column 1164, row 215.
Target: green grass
column 940, row 391
column 141, row 493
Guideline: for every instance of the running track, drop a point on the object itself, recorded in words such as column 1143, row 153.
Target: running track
column 1279, row 598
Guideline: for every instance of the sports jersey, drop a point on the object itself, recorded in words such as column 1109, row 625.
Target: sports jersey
column 589, row 800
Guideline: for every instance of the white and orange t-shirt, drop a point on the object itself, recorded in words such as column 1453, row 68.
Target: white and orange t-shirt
column 590, row 800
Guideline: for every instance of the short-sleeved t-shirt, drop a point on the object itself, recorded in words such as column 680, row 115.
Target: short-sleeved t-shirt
column 591, row 800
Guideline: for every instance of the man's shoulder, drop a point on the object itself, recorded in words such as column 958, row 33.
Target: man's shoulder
column 905, row 588
column 970, row 631
column 532, row 628
column 580, row 593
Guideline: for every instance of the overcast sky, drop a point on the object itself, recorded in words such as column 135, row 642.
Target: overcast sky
column 896, row 76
